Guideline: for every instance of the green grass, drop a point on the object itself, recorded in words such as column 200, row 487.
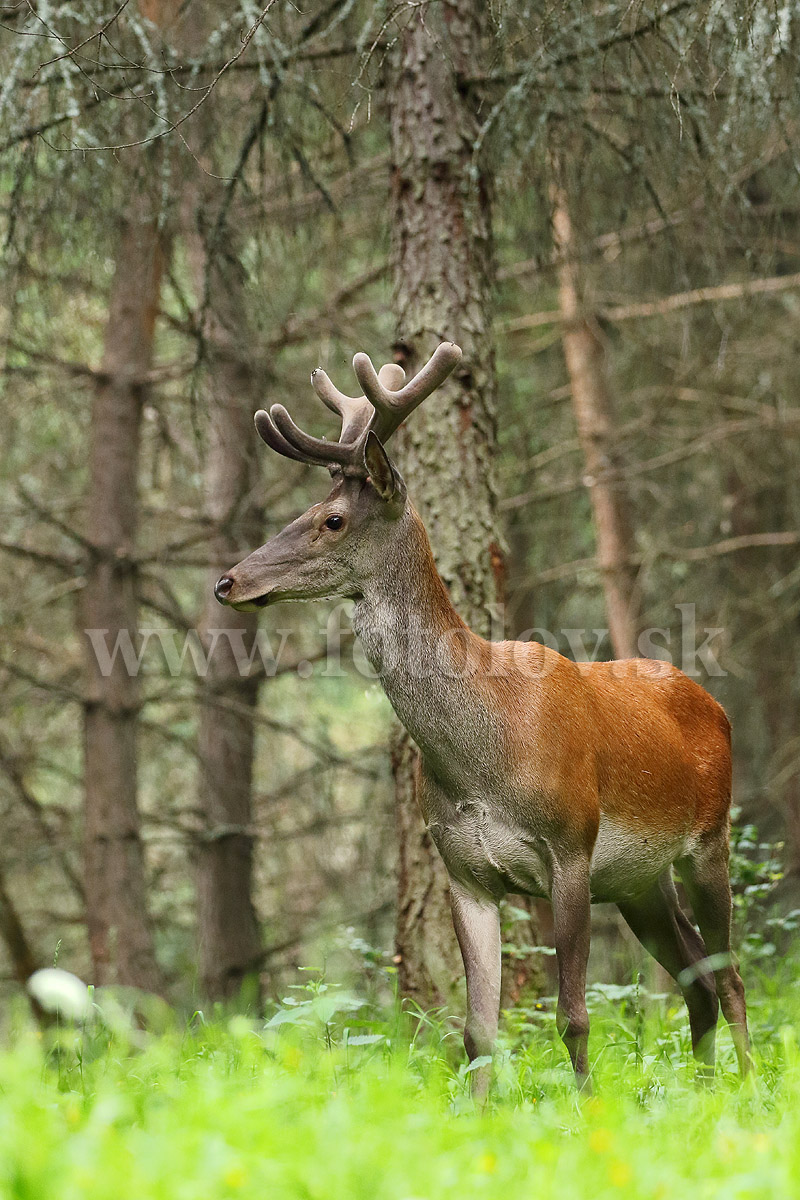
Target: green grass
column 230, row 1109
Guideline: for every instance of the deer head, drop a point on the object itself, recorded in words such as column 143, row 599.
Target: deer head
column 333, row 547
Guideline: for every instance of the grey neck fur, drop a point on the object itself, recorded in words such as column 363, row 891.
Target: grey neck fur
column 418, row 644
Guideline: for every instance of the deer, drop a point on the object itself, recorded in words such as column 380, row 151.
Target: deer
column 575, row 782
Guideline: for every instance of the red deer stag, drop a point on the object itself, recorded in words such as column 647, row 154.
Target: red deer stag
column 578, row 782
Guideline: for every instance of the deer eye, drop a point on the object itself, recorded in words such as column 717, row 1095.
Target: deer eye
column 334, row 522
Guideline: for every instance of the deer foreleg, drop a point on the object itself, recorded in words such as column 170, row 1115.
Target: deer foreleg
column 477, row 926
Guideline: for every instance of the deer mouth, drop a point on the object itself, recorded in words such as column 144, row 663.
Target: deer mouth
column 252, row 605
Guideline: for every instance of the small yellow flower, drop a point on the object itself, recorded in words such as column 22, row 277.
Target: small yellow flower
column 235, row 1177
column 619, row 1173
column 487, row 1163
column 761, row 1143
column 600, row 1141
column 726, row 1146
column 292, row 1058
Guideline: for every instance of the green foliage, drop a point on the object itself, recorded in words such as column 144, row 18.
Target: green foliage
column 347, row 1102
column 756, row 872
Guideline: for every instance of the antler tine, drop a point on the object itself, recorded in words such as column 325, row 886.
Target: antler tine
column 385, row 405
column 316, row 450
column 392, row 407
column 355, row 411
column 392, row 376
column 275, row 440
column 280, row 432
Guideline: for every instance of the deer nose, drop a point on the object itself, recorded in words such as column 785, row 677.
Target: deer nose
column 222, row 588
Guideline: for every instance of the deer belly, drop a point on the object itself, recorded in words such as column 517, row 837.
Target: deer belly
column 627, row 861
column 480, row 850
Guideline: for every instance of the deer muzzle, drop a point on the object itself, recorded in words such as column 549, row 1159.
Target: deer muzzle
column 229, row 591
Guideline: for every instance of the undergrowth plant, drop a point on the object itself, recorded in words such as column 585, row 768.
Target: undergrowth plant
column 336, row 1095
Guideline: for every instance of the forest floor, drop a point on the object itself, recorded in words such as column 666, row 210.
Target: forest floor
column 331, row 1102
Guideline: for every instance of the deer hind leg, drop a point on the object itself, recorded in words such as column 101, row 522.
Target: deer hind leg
column 572, row 915
column 477, row 926
column 705, row 877
column 664, row 929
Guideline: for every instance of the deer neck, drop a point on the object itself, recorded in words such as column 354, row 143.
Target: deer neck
column 423, row 652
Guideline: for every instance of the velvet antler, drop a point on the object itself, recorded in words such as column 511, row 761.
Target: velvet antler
column 386, row 403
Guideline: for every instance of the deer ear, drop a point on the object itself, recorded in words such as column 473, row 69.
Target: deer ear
column 383, row 477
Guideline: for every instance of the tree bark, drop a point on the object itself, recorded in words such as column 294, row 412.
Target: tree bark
column 229, row 932
column 120, row 937
column 443, row 281
column 592, row 405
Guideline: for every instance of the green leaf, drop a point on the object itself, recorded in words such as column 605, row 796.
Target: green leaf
column 483, row 1060
column 289, row 1016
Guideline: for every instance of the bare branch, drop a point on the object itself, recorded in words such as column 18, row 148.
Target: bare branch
column 146, row 141
column 11, row 768
column 41, row 556
column 161, row 373
column 772, row 285
column 767, row 418
column 733, row 545
column 73, row 50
column 51, row 519
column 705, row 295
column 615, row 239
column 45, row 685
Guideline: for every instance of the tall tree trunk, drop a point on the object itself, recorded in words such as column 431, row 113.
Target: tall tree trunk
column 229, row 933
column 592, row 404
column 593, row 407
column 443, row 279
column 120, row 937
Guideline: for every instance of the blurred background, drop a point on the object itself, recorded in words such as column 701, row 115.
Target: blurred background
column 201, row 203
